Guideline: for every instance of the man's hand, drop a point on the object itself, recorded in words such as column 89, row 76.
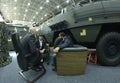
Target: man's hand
column 42, row 51
column 56, row 49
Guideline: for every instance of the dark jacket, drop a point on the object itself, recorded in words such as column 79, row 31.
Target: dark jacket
column 57, row 41
column 28, row 43
column 43, row 45
column 67, row 42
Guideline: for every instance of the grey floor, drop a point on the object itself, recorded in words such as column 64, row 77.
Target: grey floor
column 93, row 74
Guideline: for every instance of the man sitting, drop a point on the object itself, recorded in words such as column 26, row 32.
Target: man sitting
column 41, row 45
column 65, row 41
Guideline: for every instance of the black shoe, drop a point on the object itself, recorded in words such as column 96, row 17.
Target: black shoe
column 53, row 64
column 54, row 69
column 48, row 63
column 37, row 69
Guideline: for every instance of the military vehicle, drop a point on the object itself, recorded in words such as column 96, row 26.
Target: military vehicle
column 94, row 24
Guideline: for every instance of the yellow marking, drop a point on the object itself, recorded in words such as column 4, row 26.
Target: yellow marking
column 83, row 32
column 90, row 19
column 20, row 37
column 9, row 40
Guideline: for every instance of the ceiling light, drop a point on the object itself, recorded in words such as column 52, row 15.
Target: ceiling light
column 15, row 0
column 67, row 1
column 42, row 18
column 23, row 18
column 41, row 7
column 15, row 8
column 8, row 16
column 28, row 4
column 6, row 11
column 47, row 1
column 45, row 15
column 31, row 19
column 26, row 10
column 33, row 16
column 58, row 6
column 36, row 12
column 24, row 15
column 4, row 5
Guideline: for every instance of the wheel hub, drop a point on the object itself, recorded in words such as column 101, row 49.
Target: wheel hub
column 112, row 50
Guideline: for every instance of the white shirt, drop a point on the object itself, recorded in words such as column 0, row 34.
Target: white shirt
column 40, row 44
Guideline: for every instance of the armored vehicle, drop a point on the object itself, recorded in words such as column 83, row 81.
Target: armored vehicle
column 94, row 25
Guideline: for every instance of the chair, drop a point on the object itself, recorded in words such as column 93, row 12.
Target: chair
column 22, row 61
column 72, row 61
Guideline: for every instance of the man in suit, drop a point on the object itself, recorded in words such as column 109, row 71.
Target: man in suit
column 30, row 49
column 41, row 45
column 65, row 42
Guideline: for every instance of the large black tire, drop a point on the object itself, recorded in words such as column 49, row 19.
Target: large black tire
column 108, row 49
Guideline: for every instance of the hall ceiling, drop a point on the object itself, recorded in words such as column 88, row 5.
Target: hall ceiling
column 32, row 10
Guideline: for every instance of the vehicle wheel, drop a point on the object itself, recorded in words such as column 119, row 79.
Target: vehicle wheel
column 108, row 49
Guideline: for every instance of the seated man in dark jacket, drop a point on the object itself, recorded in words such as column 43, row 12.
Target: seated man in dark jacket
column 30, row 49
column 57, row 41
column 66, row 42
column 41, row 45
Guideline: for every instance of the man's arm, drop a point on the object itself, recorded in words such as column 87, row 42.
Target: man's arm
column 32, row 45
column 57, row 41
column 66, row 43
column 37, row 44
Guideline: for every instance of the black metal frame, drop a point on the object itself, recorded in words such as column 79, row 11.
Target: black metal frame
column 35, row 79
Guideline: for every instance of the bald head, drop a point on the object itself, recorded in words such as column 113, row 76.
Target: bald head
column 33, row 30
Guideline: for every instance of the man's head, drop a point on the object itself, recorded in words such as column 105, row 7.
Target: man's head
column 41, row 37
column 33, row 30
column 62, row 35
